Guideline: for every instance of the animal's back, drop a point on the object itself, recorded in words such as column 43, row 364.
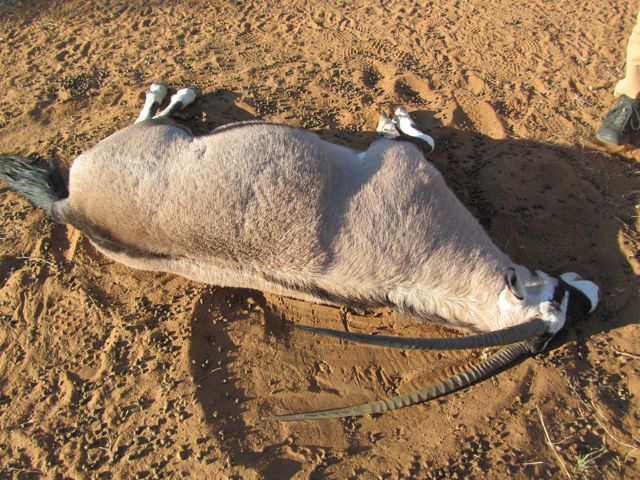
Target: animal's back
column 255, row 194
column 279, row 203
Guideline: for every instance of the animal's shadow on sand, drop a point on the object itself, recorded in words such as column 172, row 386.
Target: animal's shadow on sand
column 546, row 206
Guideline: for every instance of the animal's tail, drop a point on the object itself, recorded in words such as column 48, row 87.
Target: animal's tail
column 42, row 186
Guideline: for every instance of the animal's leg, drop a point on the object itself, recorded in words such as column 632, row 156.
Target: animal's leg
column 386, row 128
column 153, row 99
column 179, row 100
column 407, row 127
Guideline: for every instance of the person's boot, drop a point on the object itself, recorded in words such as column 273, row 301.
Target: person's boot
column 619, row 121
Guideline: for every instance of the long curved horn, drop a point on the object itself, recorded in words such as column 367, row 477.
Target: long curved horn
column 533, row 328
column 472, row 374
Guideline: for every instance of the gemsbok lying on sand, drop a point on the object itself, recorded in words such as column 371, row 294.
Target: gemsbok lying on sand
column 270, row 207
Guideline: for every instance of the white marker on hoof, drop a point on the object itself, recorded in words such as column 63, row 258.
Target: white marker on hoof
column 386, row 127
column 186, row 96
column 179, row 100
column 158, row 89
column 406, row 126
column 153, row 99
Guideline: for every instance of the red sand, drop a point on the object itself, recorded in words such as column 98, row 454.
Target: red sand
column 106, row 372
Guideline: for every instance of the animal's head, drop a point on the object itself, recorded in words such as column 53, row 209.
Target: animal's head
column 528, row 295
column 537, row 306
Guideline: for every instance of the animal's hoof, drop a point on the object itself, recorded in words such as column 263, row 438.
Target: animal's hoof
column 406, row 126
column 158, row 89
column 386, row 127
column 401, row 113
column 186, row 96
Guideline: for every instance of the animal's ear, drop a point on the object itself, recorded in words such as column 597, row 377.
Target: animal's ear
column 514, row 284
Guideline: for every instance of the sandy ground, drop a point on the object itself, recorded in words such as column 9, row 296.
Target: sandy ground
column 106, row 372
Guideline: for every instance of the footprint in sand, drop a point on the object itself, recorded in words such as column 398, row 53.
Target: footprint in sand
column 476, row 84
column 489, row 121
column 482, row 115
column 409, row 88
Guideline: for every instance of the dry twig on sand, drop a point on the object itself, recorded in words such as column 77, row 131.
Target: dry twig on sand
column 552, row 445
column 626, row 354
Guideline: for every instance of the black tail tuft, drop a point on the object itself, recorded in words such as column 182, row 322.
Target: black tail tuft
column 42, row 186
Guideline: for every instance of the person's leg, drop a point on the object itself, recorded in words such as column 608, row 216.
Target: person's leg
column 630, row 84
column 625, row 115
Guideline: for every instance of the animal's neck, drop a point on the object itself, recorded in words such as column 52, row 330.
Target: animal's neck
column 466, row 294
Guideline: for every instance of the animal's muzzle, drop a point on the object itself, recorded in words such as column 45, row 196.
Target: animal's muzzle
column 584, row 295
